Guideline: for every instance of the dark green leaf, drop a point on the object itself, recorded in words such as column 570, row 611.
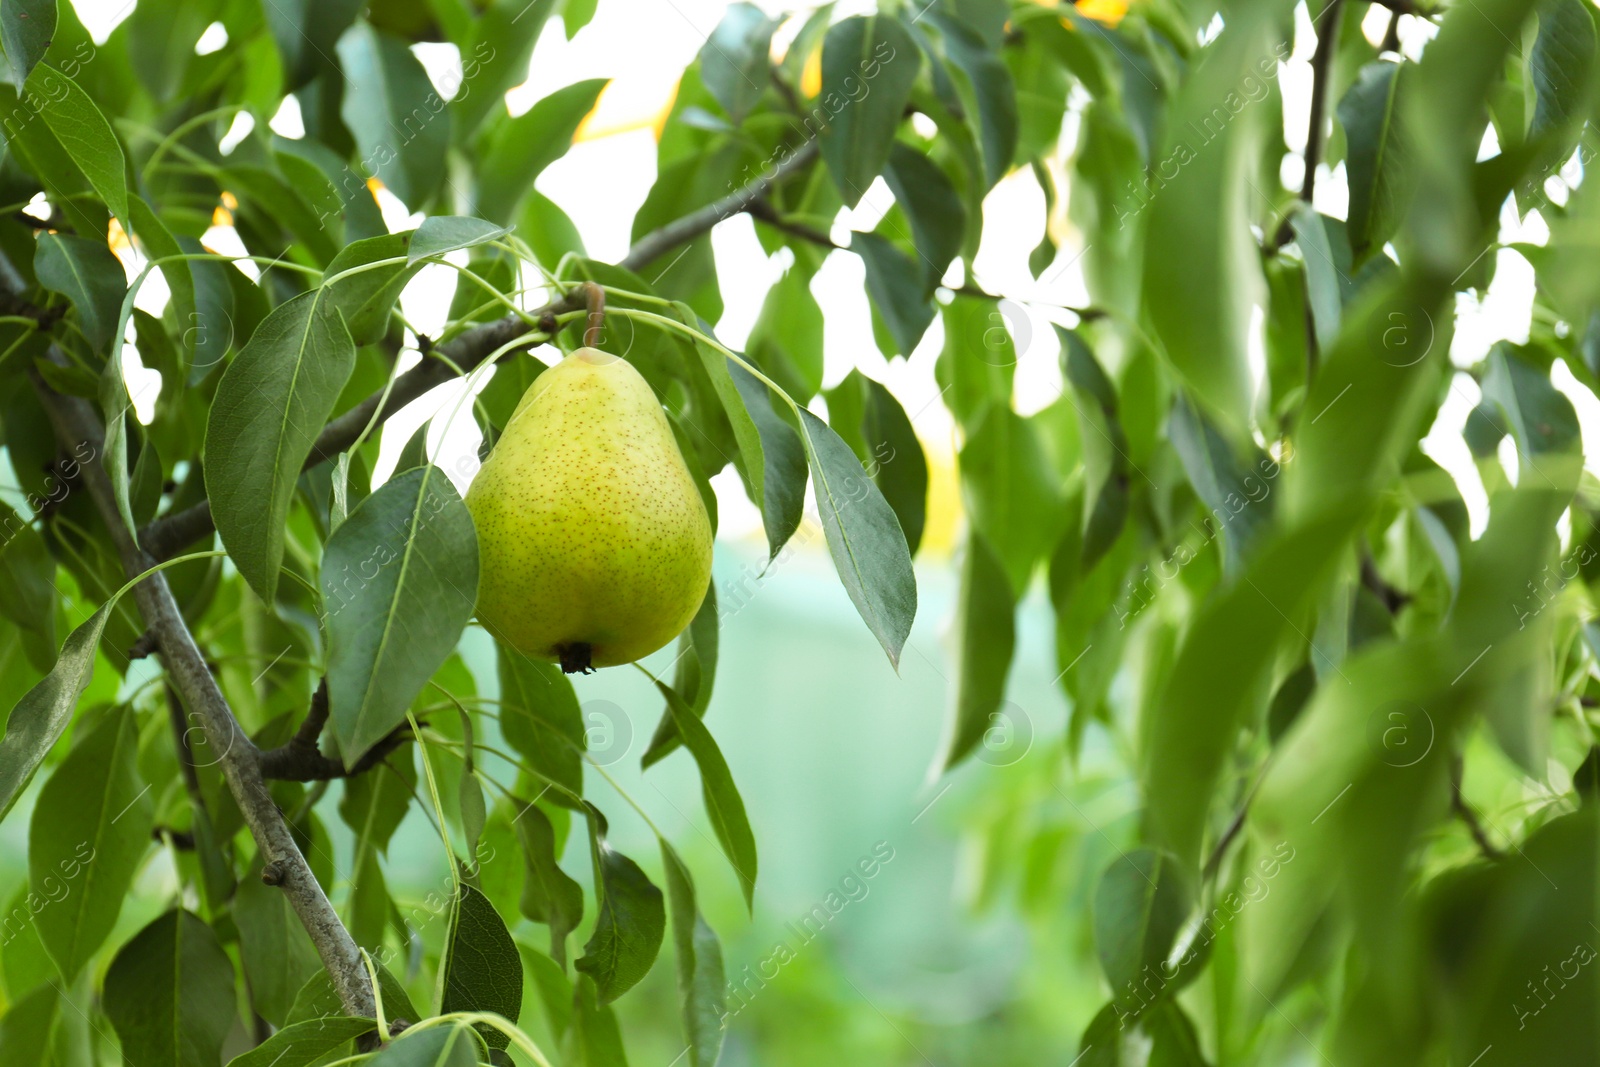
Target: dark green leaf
column 892, row 282
column 90, row 829
column 366, row 298
column 1011, row 492
column 400, row 123
column 938, row 217
column 864, row 537
column 439, row 234
column 318, row 999
column 723, row 803
column 399, row 580
column 700, row 976
column 985, row 636
column 752, row 465
column 85, row 134
column 450, row 1045
column 978, row 360
column 783, row 481
column 496, row 58
column 375, row 803
column 631, row 922
column 1562, row 66
column 1140, row 905
column 1238, row 495
column 88, row 274
column 548, row 895
column 170, row 994
column 734, row 64
column 540, row 717
column 596, row 1039
column 896, row 460
column 481, row 970
column 993, row 93
column 1541, row 418
column 869, row 64
column 786, row 340
column 1371, row 113
column 30, row 1025
column 26, row 27
column 269, row 408
column 692, row 678
column 278, row 957
column 517, row 150
column 306, row 32
column 304, row 1044
column 27, row 584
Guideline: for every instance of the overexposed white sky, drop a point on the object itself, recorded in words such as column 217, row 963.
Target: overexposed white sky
column 643, row 45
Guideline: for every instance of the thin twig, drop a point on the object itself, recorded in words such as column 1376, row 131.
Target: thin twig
column 1464, row 812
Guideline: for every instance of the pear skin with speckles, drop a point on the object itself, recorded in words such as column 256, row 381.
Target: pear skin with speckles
column 594, row 545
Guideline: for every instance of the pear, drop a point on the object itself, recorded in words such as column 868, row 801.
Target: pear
column 594, row 546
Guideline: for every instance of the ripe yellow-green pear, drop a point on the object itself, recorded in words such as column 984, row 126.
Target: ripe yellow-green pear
column 594, row 546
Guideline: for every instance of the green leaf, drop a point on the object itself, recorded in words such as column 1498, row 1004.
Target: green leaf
column 27, row 584
column 517, row 150
column 752, row 464
column 439, row 234
column 896, row 460
column 783, row 460
column 548, row 895
column 596, row 1039
column 540, row 717
column 85, row 134
column 481, row 970
column 938, row 217
column 500, row 42
column 40, row 717
column 869, row 64
column 304, row 1044
column 864, row 537
column 160, row 244
column 1371, row 113
column 630, row 925
column 723, row 803
column 399, row 580
column 892, row 282
column 269, row 407
column 692, row 678
column 90, row 829
column 1237, row 495
column 451, row 1045
column 365, row 299
column 1540, row 417
column 992, row 90
column 306, row 32
column 88, row 274
column 1562, row 67
column 1326, row 269
column 400, row 123
column 318, row 999
column 734, row 63
column 1201, row 264
column 786, row 340
column 700, row 975
column 170, row 994
column 30, row 1026
column 1010, row 488
column 1140, row 904
column 985, row 638
column 978, row 360
column 26, row 27
column 278, row 957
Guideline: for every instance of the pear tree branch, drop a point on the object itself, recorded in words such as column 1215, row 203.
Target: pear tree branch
column 164, row 537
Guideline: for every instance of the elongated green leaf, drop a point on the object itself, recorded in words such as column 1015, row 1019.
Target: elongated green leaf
column 700, row 977
column 306, row 32
column 869, row 64
column 318, row 999
column 692, row 677
column 786, row 341
column 269, row 408
column 451, row 1045
column 1011, row 492
column 26, row 27
column 892, row 282
column 864, row 537
column 1541, row 418
column 90, row 828
column 1237, row 494
column 85, row 134
column 734, row 63
column 540, row 717
column 169, row 993
column 596, row 1039
column 929, row 199
column 439, row 234
column 365, row 299
column 1562, row 65
column 994, row 94
column 548, row 895
column 278, row 957
column 496, row 57
column 1140, row 904
column 517, row 150
column 401, row 125
column 985, row 637
column 160, row 244
column 27, row 584
column 304, row 1044
column 88, row 274
column 896, row 460
column 399, row 580
column 481, row 970
column 630, row 924
column 373, row 805
column 30, row 1025
column 40, row 717
column 783, row 458
column 723, row 803
column 978, row 361
column 1371, row 114
column 752, row 464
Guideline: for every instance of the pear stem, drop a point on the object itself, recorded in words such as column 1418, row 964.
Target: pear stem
column 595, row 298
column 575, row 658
